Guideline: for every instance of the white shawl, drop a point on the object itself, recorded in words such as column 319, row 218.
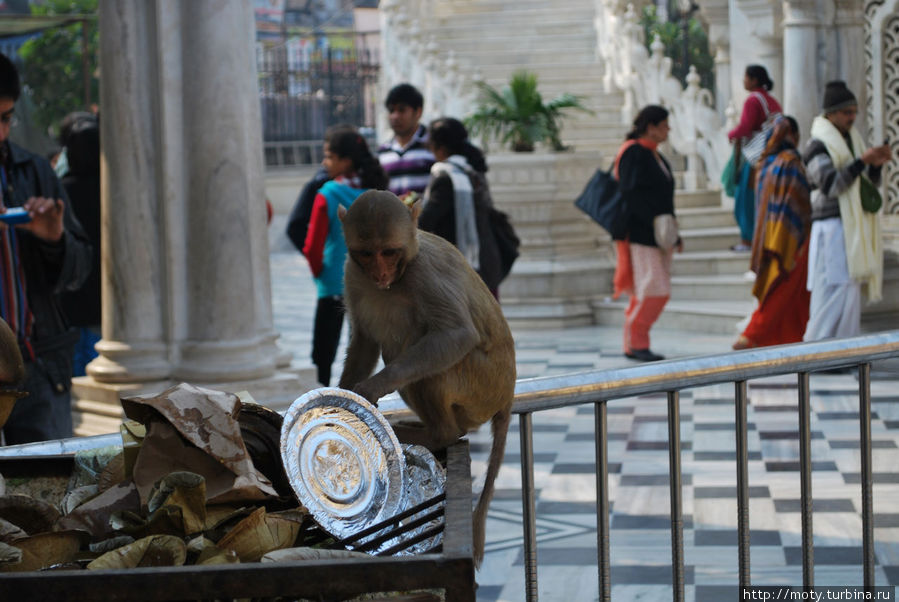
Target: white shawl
column 457, row 168
column 861, row 230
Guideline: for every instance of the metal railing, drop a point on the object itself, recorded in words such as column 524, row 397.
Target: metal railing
column 600, row 386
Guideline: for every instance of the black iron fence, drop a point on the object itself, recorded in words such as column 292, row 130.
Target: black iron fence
column 309, row 83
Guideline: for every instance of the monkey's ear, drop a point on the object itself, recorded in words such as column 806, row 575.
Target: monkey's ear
column 415, row 210
column 341, row 212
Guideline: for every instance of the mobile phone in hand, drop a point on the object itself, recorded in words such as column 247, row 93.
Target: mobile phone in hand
column 15, row 215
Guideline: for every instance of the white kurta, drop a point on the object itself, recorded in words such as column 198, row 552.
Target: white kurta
column 835, row 306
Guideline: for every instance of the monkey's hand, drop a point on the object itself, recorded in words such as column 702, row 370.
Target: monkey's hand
column 372, row 389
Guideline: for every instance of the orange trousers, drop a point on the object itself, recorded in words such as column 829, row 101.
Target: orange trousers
column 639, row 317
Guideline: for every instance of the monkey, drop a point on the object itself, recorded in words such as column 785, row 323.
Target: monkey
column 12, row 368
column 413, row 298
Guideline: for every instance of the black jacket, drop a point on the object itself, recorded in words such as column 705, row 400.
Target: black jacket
column 50, row 268
column 298, row 222
column 647, row 190
column 439, row 217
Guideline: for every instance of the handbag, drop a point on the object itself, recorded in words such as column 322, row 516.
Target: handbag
column 754, row 147
column 602, row 201
column 507, row 240
column 664, row 228
column 871, row 199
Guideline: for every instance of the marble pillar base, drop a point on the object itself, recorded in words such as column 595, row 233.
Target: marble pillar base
column 97, row 408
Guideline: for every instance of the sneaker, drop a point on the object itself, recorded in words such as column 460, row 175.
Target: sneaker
column 741, row 247
column 643, row 355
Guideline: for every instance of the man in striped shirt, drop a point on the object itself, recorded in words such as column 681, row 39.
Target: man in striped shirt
column 406, row 157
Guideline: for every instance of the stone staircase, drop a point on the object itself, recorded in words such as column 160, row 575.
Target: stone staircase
column 564, row 275
column 556, row 41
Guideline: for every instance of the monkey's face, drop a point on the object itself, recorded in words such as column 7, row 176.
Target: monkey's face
column 384, row 265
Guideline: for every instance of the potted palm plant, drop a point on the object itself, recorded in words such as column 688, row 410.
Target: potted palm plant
column 518, row 116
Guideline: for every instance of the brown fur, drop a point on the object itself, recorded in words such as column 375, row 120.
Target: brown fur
column 447, row 348
column 12, row 368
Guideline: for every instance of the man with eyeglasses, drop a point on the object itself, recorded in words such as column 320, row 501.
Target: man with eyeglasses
column 42, row 253
column 845, row 251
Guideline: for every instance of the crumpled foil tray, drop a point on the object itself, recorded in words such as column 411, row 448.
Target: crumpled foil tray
column 343, row 460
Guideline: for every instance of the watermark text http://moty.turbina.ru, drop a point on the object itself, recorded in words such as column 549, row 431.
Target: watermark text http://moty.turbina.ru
column 818, row 593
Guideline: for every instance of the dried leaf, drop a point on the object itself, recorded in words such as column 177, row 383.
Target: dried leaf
column 298, row 554
column 220, row 518
column 10, row 532
column 250, row 538
column 198, row 544
column 78, row 496
column 155, row 550
column 9, row 554
column 207, row 552
column 113, row 473
column 185, row 490
column 32, row 515
column 94, row 516
column 219, row 557
column 101, row 547
column 46, row 549
column 259, row 534
column 284, row 530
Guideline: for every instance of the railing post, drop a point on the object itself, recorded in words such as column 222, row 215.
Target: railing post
column 867, row 475
column 743, row 534
column 529, row 512
column 602, row 500
column 677, row 518
column 805, row 481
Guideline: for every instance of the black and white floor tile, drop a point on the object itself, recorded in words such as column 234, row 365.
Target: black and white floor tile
column 564, row 471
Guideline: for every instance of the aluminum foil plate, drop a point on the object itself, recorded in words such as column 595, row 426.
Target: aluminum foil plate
column 425, row 479
column 343, row 460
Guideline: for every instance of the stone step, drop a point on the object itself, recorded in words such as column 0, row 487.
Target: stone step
column 699, row 263
column 518, row 32
column 716, row 287
column 720, row 317
column 690, row 218
column 710, row 239
column 685, row 199
column 445, row 9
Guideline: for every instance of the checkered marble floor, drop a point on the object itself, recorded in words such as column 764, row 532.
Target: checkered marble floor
column 638, row 472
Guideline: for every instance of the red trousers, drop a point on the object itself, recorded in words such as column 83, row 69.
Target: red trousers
column 639, row 317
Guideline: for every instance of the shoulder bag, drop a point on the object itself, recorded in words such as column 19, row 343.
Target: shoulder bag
column 755, row 146
column 664, row 228
column 602, row 201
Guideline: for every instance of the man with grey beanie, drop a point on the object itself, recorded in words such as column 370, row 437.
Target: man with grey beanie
column 845, row 250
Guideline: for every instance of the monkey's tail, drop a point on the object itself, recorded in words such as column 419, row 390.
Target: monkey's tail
column 500, row 427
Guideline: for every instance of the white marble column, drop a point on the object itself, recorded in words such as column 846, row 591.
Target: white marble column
column 717, row 14
column 135, row 345
column 801, row 97
column 186, row 281
column 228, row 314
column 849, row 22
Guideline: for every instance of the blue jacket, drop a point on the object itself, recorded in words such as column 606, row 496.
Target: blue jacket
column 330, row 280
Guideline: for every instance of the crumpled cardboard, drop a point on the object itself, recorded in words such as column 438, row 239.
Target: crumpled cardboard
column 194, row 429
